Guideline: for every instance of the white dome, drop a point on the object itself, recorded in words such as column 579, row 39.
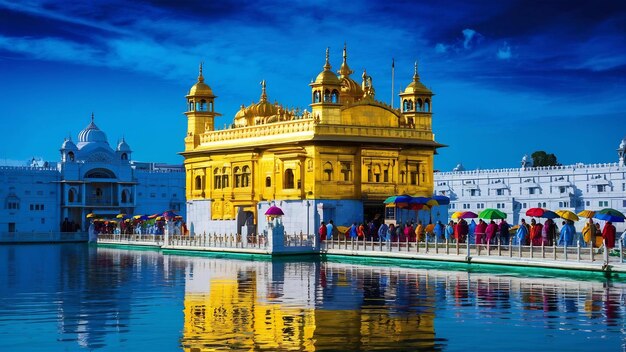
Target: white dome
column 68, row 145
column 92, row 133
column 122, row 146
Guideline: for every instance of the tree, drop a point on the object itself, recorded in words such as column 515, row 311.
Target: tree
column 541, row 158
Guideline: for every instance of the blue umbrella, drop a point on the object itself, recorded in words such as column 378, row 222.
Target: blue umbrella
column 549, row 214
column 609, row 217
column 442, row 200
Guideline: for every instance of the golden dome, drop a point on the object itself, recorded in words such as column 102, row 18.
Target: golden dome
column 327, row 77
column 201, row 88
column 261, row 109
column 416, row 86
column 350, row 87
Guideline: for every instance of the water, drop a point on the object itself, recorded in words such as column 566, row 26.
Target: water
column 74, row 297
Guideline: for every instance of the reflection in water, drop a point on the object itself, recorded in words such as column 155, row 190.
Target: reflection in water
column 76, row 296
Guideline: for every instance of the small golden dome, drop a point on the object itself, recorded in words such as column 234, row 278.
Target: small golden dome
column 350, row 87
column 416, row 86
column 327, row 77
column 201, row 88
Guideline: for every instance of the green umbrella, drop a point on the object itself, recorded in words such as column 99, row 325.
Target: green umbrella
column 611, row 212
column 491, row 214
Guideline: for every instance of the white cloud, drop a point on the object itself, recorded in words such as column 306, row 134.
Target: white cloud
column 468, row 35
column 441, row 48
column 504, row 52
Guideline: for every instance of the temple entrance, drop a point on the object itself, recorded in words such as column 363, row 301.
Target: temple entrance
column 374, row 210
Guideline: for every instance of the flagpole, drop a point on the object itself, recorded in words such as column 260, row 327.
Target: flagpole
column 392, row 77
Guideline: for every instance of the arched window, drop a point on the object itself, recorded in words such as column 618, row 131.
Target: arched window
column 326, row 96
column 70, row 156
column 125, row 196
column 246, row 176
column 201, row 105
column 237, row 173
column 71, row 195
column 346, row 170
column 268, row 181
column 405, row 105
column 217, row 179
column 335, row 96
column 402, row 176
column 224, row 177
column 198, row 184
column 418, row 106
column 427, row 105
column 211, row 106
column 289, row 179
column 377, row 173
column 328, row 171
column 124, row 156
column 190, row 105
column 316, row 96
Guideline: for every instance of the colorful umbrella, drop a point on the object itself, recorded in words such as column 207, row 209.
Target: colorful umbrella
column 274, row 211
column 120, row 216
column 456, row 214
column 442, row 200
column 491, row 214
column 91, row 215
column 169, row 214
column 397, row 199
column 140, row 217
column 567, row 215
column 470, row 215
column 609, row 217
column 342, row 229
column 612, row 212
column 587, row 213
column 549, row 214
column 535, row 212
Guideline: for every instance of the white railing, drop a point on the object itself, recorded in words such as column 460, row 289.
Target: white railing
column 554, row 253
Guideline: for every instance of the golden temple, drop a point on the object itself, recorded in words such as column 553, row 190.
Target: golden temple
column 342, row 158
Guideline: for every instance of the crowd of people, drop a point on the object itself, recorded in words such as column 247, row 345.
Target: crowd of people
column 481, row 232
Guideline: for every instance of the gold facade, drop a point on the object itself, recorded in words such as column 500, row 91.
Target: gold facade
column 349, row 146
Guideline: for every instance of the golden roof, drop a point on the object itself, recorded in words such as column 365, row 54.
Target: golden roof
column 200, row 88
column 416, row 86
column 327, row 77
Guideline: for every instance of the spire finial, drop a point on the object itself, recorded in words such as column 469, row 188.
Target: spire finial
column 263, row 93
column 200, row 76
column 416, row 76
column 327, row 64
column 345, row 70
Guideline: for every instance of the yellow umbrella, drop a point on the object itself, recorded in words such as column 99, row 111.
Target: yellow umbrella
column 456, row 214
column 431, row 203
column 120, row 216
column 567, row 215
column 587, row 213
column 91, row 215
column 342, row 229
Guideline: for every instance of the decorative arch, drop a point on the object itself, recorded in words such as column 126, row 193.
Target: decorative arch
column 125, row 196
column 238, row 177
column 289, row 182
column 72, row 195
column 99, row 173
column 246, row 176
column 334, row 96
column 70, row 156
column 225, row 177
column 217, row 179
column 198, row 183
column 419, row 105
column 427, row 105
column 317, row 96
column 327, row 96
column 328, row 171
column 124, row 156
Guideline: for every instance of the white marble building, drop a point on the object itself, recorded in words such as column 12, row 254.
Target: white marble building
column 572, row 187
column 91, row 177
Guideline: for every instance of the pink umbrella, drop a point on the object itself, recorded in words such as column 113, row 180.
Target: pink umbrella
column 468, row 215
column 274, row 211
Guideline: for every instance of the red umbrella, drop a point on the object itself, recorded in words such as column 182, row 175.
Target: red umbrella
column 274, row 211
column 535, row 212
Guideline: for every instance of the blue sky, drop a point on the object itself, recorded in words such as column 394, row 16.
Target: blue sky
column 509, row 77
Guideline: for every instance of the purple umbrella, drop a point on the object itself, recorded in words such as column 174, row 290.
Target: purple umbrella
column 274, row 211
